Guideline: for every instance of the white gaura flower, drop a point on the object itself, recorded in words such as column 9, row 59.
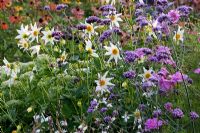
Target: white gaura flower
column 126, row 117
column 35, row 50
column 34, row 32
column 147, row 74
column 7, row 66
column 112, row 2
column 90, row 30
column 48, row 36
column 23, row 44
column 113, row 51
column 103, row 83
column 11, row 80
column 23, row 33
column 115, row 19
column 82, row 128
column 141, row 1
column 62, row 58
column 89, row 49
column 179, row 35
column 137, row 116
column 10, row 69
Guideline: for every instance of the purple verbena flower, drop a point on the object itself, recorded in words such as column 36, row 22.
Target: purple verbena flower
column 177, row 113
column 129, row 74
column 105, row 35
column 174, row 16
column 107, row 119
column 168, row 106
column 194, row 115
column 197, row 71
column 157, row 113
column 152, row 124
column 93, row 19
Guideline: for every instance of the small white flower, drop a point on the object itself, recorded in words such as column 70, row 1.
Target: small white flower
column 82, row 128
column 48, row 36
column 7, row 66
column 29, row 109
column 103, row 83
column 178, row 35
column 126, row 117
column 34, row 32
column 23, row 33
column 141, row 1
column 35, row 50
column 112, row 2
column 89, row 48
column 63, row 123
column 113, row 51
column 62, row 57
column 115, row 19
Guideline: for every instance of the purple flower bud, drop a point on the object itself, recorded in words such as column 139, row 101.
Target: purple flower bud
column 194, row 115
column 129, row 74
column 107, row 119
column 93, row 19
column 115, row 113
column 103, row 110
column 168, row 106
column 81, row 27
column 157, row 113
column 105, row 35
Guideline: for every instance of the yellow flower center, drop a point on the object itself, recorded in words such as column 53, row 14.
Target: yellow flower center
column 62, row 58
column 102, row 82
column 25, row 45
column 112, row 18
column 24, row 36
column 178, row 36
column 147, row 75
column 8, row 65
column 49, row 36
column 35, row 33
column 89, row 28
column 137, row 114
column 115, row 51
column 90, row 51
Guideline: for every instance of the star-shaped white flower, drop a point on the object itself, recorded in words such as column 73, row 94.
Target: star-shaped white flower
column 103, row 83
column 126, row 117
column 89, row 49
column 48, row 36
column 90, row 30
column 23, row 33
column 23, row 44
column 147, row 74
column 113, row 51
column 34, row 32
column 179, row 35
column 35, row 50
column 115, row 19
